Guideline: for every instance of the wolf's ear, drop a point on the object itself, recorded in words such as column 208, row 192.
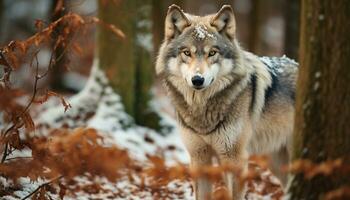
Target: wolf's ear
column 224, row 21
column 175, row 22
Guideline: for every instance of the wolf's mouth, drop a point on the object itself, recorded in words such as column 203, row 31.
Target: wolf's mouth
column 198, row 87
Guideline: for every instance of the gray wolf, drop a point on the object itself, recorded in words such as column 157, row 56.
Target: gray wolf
column 229, row 103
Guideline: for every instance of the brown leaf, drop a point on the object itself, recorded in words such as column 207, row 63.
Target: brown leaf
column 116, row 31
column 77, row 49
column 49, row 94
column 338, row 194
column 28, row 122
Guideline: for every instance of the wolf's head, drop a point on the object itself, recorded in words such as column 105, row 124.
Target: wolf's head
column 199, row 51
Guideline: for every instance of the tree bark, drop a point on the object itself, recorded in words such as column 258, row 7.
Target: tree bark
column 323, row 96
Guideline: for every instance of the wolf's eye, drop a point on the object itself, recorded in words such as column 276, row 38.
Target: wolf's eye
column 212, row 53
column 187, row 53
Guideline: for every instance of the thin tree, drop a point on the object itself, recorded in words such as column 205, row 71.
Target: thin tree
column 323, row 96
column 56, row 75
column 256, row 22
column 292, row 22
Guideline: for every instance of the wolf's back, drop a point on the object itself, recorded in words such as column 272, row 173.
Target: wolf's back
column 278, row 65
column 284, row 73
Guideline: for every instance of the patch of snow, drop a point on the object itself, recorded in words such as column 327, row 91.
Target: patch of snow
column 144, row 24
column 316, row 86
column 318, row 74
column 255, row 196
column 200, row 32
column 145, row 41
column 92, row 98
column 305, row 150
column 277, row 65
column 321, row 17
column 8, row 197
column 5, row 183
column 28, row 186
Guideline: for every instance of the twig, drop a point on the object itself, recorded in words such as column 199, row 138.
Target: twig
column 17, row 125
column 41, row 186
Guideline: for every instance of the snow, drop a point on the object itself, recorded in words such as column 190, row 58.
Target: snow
column 316, row 86
column 145, row 41
column 321, row 17
column 277, row 65
column 5, row 183
column 200, row 32
column 27, row 187
column 318, row 74
column 305, row 150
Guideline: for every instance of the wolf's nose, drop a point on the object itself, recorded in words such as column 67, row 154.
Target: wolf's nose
column 197, row 81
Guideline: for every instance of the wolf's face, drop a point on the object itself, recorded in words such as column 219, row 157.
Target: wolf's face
column 198, row 50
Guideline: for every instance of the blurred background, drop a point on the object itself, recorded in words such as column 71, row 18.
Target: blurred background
column 266, row 28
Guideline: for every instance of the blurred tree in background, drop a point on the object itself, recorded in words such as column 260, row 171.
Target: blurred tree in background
column 292, row 21
column 57, row 72
column 323, row 98
column 255, row 25
column 128, row 62
column 159, row 10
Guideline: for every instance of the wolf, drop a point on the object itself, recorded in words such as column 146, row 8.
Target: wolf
column 229, row 102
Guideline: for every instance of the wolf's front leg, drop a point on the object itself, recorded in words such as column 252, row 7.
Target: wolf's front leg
column 240, row 159
column 202, row 186
column 201, row 155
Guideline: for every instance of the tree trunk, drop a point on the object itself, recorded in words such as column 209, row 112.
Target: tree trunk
column 291, row 39
column 116, row 56
column 144, row 65
column 323, row 97
column 256, row 18
column 57, row 72
column 128, row 62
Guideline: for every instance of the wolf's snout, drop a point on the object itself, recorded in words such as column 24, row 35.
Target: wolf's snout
column 197, row 81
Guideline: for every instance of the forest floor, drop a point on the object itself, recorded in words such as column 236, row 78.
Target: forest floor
column 98, row 107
